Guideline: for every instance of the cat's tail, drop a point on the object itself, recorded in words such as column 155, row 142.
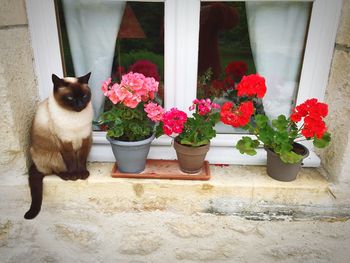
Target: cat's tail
column 36, row 191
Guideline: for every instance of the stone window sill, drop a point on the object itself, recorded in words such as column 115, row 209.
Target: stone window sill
column 232, row 189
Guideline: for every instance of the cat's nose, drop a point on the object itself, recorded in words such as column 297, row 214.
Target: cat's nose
column 79, row 106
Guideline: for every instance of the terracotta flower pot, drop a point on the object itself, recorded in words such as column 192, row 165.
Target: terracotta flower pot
column 190, row 158
column 131, row 156
column 281, row 171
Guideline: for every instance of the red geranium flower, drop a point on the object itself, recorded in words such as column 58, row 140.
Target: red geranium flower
column 230, row 82
column 239, row 116
column 174, row 121
column 237, row 68
column 218, row 84
column 146, row 68
column 252, row 85
column 313, row 113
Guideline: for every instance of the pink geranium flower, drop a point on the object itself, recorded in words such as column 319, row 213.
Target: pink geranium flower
column 121, row 92
column 133, row 88
column 105, row 86
column 133, row 81
column 174, row 121
column 154, row 111
column 204, row 106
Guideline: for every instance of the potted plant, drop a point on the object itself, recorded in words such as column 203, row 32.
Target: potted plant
column 192, row 134
column 130, row 122
column 280, row 136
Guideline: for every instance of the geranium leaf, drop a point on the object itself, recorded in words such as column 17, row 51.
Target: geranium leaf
column 261, row 121
column 323, row 142
column 290, row 157
column 159, row 130
column 247, row 145
column 281, row 137
column 281, row 123
column 266, row 135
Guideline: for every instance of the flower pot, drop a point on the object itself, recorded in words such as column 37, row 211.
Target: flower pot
column 131, row 156
column 190, row 158
column 281, row 171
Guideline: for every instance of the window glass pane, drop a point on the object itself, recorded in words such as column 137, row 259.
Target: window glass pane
column 110, row 38
column 242, row 38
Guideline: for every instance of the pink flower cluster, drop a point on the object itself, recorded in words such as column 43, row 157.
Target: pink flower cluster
column 174, row 121
column 204, row 106
column 154, row 111
column 133, row 88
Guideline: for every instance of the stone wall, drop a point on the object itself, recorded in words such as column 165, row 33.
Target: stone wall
column 336, row 158
column 18, row 90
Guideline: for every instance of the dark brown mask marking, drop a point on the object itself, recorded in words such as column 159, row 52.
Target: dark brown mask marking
column 72, row 96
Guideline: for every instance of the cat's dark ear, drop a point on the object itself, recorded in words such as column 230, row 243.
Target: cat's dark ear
column 84, row 79
column 57, row 82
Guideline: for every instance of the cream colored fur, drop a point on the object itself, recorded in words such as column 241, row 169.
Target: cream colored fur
column 70, row 126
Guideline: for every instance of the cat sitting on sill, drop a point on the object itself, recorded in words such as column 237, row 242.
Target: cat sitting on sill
column 60, row 136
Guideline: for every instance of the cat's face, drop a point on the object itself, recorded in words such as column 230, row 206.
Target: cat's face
column 72, row 93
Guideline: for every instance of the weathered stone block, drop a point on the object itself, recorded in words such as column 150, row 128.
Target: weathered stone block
column 140, row 243
column 338, row 96
column 18, row 94
column 343, row 34
column 194, row 228
column 83, row 236
column 12, row 12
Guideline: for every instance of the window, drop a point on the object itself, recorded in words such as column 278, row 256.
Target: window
column 110, row 38
column 181, row 41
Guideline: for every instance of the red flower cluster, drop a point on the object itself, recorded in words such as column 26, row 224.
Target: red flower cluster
column 313, row 113
column 218, row 84
column 146, row 68
column 239, row 116
column 237, row 68
column 174, row 121
column 252, row 85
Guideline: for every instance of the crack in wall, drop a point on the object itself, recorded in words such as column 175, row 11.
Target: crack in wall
column 342, row 47
column 13, row 26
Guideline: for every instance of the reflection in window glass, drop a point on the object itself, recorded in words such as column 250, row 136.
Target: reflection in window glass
column 238, row 38
column 140, row 44
column 110, row 38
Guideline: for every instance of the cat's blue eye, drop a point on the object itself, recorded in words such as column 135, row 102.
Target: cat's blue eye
column 85, row 96
column 70, row 98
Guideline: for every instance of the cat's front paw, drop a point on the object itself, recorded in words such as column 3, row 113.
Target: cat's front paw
column 69, row 176
column 84, row 174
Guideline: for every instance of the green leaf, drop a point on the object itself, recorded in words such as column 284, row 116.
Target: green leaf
column 266, row 135
column 261, row 121
column 159, row 130
column 247, row 145
column 323, row 142
column 281, row 137
column 290, row 157
column 127, row 114
column 115, row 132
column 117, row 121
column 281, row 123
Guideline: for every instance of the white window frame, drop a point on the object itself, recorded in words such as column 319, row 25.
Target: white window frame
column 181, row 24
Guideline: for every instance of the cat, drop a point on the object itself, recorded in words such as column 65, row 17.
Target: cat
column 60, row 136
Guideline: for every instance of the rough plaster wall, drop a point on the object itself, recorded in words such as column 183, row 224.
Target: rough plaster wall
column 89, row 236
column 18, row 91
column 336, row 158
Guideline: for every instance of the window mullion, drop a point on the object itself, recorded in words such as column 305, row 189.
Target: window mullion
column 181, row 44
column 319, row 49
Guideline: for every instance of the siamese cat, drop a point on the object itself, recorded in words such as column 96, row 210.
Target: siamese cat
column 60, row 136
